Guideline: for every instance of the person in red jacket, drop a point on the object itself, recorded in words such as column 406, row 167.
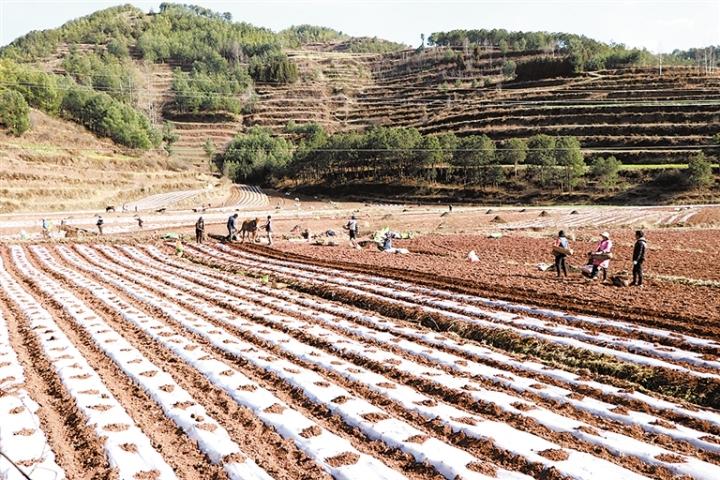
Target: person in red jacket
column 603, row 247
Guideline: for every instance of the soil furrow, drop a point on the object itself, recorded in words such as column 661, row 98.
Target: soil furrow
column 629, row 331
column 692, row 362
column 217, row 269
column 670, row 382
column 383, row 366
column 669, row 320
column 476, row 446
column 292, row 396
column 180, row 453
column 279, row 457
column 77, row 449
column 462, row 399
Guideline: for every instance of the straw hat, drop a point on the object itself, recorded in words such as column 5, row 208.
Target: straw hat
column 605, row 234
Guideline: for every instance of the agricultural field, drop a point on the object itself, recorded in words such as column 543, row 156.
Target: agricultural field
column 139, row 340
column 121, row 359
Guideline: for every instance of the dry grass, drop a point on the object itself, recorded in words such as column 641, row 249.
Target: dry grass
column 58, row 165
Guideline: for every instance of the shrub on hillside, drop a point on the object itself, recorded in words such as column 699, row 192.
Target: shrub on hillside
column 298, row 35
column 97, row 111
column 14, row 112
column 275, row 67
column 699, row 173
column 199, row 91
column 583, row 53
column 373, row 45
column 255, row 156
column 105, row 72
column 41, row 90
column 107, row 117
column 111, row 24
column 606, row 171
column 508, row 69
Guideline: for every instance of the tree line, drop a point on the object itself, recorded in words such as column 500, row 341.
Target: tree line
column 401, row 154
column 61, row 96
column 585, row 54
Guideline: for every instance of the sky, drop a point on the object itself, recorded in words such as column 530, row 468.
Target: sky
column 658, row 25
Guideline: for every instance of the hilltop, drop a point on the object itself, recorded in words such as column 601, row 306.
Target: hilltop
column 182, row 83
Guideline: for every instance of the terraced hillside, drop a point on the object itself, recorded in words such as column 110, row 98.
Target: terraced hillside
column 137, row 76
column 326, row 94
column 194, row 133
column 636, row 109
column 58, row 165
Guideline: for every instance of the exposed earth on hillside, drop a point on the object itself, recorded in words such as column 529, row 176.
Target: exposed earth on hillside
column 174, row 88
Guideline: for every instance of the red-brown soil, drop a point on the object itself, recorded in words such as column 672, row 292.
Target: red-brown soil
column 509, row 266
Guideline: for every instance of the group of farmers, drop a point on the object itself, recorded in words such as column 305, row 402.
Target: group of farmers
column 248, row 227
column 599, row 259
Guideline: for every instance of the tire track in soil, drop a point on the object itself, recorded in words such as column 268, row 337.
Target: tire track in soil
column 438, row 429
column 668, row 320
column 292, row 396
column 78, row 451
column 178, row 450
column 456, row 397
column 279, row 457
column 220, row 268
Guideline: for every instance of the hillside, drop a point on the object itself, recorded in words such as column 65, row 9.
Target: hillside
column 188, row 80
column 57, row 165
column 635, row 109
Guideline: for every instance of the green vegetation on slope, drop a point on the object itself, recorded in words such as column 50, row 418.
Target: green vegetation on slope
column 299, row 35
column 373, row 45
column 14, row 112
column 106, row 72
column 403, row 155
column 217, row 60
column 98, row 111
column 584, row 53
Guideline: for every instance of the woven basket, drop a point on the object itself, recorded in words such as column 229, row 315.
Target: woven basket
column 562, row 251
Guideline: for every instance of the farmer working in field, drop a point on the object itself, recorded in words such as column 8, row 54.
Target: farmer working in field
column 200, row 230
column 100, row 222
column 600, row 257
column 639, row 258
column 232, row 227
column 561, row 242
column 45, row 228
column 268, row 229
column 387, row 244
column 352, row 228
